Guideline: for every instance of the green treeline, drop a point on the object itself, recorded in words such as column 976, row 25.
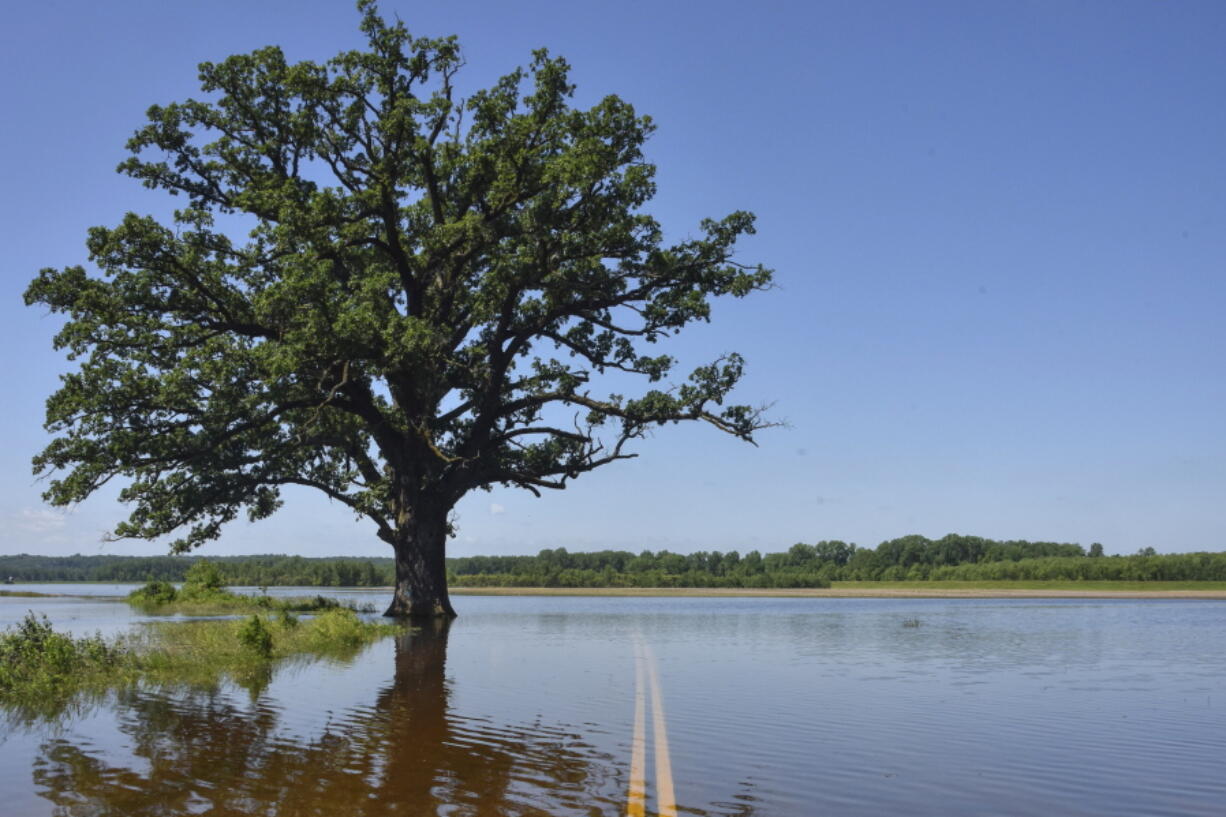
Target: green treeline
column 911, row 558
column 620, row 568
column 801, row 565
column 973, row 558
column 950, row 558
column 249, row 571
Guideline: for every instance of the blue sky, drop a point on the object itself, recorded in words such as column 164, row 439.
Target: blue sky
column 999, row 230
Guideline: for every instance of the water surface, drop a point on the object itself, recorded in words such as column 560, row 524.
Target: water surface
column 526, row 705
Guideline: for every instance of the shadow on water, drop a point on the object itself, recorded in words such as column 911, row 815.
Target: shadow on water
column 408, row 753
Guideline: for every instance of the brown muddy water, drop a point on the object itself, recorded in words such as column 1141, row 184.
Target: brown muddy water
column 646, row 706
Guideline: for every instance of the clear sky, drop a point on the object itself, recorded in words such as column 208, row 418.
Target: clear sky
column 999, row 230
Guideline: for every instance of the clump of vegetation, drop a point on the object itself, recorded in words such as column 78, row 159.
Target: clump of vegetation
column 178, row 650
column 203, row 580
column 153, row 593
column 335, row 629
column 36, row 659
column 42, row 670
column 256, row 636
column 204, row 593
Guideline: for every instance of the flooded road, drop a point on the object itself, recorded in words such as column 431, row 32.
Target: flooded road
column 656, row 706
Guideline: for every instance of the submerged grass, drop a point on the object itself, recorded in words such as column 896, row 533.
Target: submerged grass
column 41, row 670
column 178, row 650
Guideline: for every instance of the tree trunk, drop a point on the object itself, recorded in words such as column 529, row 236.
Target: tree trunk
column 421, row 569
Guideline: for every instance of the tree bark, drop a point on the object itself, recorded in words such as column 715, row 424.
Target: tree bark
column 421, row 568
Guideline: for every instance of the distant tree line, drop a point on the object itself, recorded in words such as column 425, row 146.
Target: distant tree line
column 802, row 565
column 972, row 558
column 915, row 558
column 620, row 568
column 251, row 571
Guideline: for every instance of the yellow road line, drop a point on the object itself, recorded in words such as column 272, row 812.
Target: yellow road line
column 666, row 800
column 647, row 680
column 637, row 804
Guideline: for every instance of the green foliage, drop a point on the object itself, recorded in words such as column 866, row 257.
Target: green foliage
column 153, row 594
column 421, row 289
column 42, row 671
column 561, row 568
column 337, row 628
column 204, row 585
column 801, row 566
column 202, row 594
column 250, row 571
column 203, row 577
column 909, row 558
column 34, row 659
column 255, row 636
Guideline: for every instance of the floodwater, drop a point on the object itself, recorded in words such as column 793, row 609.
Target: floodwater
column 627, row 706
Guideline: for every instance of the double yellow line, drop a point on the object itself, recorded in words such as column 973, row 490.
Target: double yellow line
column 647, row 678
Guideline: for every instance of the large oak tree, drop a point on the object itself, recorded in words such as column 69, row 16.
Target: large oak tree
column 418, row 293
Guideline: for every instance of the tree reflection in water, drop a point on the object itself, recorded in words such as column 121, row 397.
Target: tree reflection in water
column 409, row 754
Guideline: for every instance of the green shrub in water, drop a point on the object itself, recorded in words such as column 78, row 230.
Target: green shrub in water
column 204, row 575
column 34, row 656
column 42, row 671
column 337, row 628
column 203, row 580
column 154, row 593
column 255, row 636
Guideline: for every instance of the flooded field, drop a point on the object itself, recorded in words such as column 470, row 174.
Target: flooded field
column 625, row 706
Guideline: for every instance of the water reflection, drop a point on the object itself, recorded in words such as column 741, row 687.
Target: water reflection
column 408, row 753
column 787, row 707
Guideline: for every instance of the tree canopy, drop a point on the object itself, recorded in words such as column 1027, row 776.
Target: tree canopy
column 416, row 300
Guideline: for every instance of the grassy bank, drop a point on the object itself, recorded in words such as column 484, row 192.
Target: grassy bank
column 41, row 669
column 223, row 602
column 203, row 593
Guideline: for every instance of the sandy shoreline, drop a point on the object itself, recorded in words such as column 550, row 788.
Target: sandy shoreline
column 841, row 593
